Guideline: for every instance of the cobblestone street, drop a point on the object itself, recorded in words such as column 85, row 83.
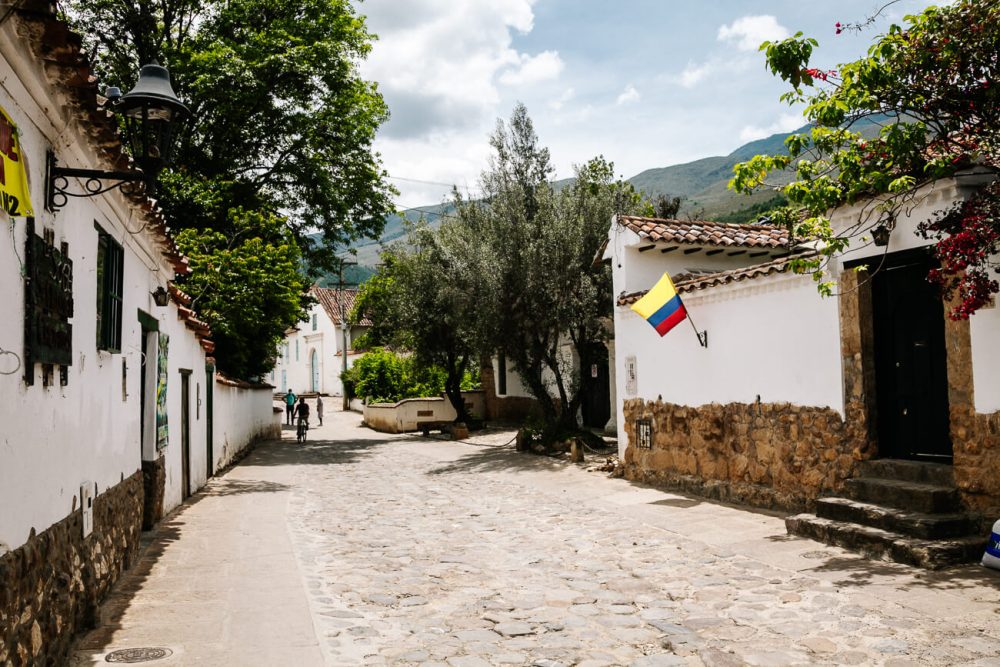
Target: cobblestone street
column 360, row 548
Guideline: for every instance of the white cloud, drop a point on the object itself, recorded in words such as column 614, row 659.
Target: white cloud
column 629, row 95
column 532, row 69
column 750, row 31
column 558, row 103
column 786, row 123
column 693, row 74
column 437, row 62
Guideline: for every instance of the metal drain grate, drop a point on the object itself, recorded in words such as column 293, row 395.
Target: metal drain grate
column 137, row 655
column 815, row 555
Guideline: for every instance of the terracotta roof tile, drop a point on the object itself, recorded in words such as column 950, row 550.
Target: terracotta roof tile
column 686, row 282
column 335, row 301
column 707, row 232
column 68, row 68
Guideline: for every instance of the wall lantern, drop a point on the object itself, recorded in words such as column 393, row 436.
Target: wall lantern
column 151, row 112
column 880, row 234
column 160, row 296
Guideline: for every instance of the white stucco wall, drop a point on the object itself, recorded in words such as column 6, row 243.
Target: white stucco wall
column 55, row 438
column 408, row 414
column 772, row 338
column 241, row 416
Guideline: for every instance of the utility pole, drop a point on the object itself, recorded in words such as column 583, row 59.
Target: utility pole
column 344, row 328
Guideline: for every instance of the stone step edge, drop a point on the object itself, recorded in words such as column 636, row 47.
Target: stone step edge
column 923, row 487
column 881, row 543
column 906, row 470
column 899, row 512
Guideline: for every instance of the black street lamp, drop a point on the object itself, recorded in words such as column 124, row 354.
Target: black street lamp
column 151, row 111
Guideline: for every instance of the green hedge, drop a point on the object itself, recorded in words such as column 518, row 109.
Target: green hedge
column 382, row 376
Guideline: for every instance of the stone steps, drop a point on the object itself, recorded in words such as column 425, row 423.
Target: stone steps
column 908, row 471
column 913, row 524
column 905, row 511
column 882, row 544
column 904, row 494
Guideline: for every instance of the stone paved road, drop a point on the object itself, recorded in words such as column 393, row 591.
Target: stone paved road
column 412, row 551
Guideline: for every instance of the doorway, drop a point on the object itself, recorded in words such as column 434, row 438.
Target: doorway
column 596, row 387
column 185, row 434
column 911, row 377
column 314, row 370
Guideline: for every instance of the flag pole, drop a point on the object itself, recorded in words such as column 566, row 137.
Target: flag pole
column 702, row 335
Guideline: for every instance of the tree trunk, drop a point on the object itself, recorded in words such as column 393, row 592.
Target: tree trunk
column 453, row 387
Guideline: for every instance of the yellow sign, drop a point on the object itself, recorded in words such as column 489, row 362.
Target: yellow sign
column 14, row 197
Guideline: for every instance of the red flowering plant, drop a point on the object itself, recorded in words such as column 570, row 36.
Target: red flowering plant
column 920, row 106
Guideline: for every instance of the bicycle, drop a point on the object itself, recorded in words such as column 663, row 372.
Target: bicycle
column 300, row 433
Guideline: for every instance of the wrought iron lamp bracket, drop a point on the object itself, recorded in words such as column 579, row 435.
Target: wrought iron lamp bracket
column 95, row 182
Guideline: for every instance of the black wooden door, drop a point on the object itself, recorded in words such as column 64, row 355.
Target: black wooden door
column 910, row 360
column 596, row 403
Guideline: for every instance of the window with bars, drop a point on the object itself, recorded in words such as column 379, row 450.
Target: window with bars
column 315, row 321
column 110, row 279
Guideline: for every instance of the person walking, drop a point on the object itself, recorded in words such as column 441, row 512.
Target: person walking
column 289, row 406
column 319, row 409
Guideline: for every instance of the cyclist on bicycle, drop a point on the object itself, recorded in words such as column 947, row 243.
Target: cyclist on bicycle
column 302, row 414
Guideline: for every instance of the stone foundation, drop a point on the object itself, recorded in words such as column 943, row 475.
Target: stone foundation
column 504, row 408
column 50, row 587
column 777, row 456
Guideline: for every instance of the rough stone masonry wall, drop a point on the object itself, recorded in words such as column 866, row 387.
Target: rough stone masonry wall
column 50, row 587
column 975, row 437
column 777, row 456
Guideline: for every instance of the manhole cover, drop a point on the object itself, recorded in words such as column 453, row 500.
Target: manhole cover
column 815, row 555
column 137, row 654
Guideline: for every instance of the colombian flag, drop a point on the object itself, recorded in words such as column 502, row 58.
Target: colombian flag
column 661, row 306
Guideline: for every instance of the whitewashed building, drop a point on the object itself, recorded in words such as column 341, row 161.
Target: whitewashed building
column 311, row 357
column 805, row 402
column 111, row 412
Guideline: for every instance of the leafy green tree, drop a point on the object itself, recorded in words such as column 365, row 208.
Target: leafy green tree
column 246, row 284
column 384, row 376
column 424, row 300
column 282, row 124
column 540, row 300
column 931, row 83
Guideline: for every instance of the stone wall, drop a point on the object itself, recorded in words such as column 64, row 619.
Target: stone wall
column 975, row 437
column 777, row 456
column 50, row 587
column 504, row 408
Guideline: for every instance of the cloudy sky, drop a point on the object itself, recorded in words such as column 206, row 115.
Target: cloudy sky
column 646, row 83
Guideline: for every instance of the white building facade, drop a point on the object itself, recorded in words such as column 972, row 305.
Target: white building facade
column 107, row 399
column 312, row 356
column 793, row 390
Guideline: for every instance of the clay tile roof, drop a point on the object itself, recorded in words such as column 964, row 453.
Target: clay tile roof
column 707, row 232
column 686, row 282
column 335, row 301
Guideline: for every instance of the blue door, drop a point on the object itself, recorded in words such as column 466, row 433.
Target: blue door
column 314, row 366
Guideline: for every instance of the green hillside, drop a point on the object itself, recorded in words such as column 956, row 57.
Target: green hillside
column 702, row 186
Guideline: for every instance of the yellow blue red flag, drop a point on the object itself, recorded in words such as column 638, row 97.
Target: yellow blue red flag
column 661, row 306
column 14, row 197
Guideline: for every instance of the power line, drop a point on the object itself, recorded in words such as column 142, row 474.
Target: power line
column 417, row 180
